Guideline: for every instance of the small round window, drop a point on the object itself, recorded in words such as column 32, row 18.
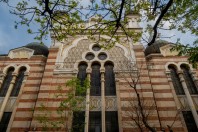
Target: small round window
column 102, row 56
column 89, row 56
column 96, row 48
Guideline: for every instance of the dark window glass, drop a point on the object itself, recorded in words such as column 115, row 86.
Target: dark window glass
column 95, row 124
column 5, row 121
column 6, row 82
column 78, row 121
column 96, row 48
column 89, row 56
column 190, row 122
column 81, row 76
column 102, row 56
column 189, row 81
column 95, row 81
column 109, row 80
column 176, row 81
column 111, row 120
column 18, row 82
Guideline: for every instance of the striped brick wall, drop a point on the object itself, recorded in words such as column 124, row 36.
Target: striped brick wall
column 41, row 87
column 23, row 110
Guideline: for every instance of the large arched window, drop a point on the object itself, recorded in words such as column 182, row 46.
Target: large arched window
column 6, row 82
column 19, row 81
column 81, row 76
column 109, row 80
column 176, row 81
column 95, row 80
column 188, row 79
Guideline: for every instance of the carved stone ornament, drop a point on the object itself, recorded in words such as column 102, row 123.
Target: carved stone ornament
column 111, row 103
column 166, row 51
column 95, row 103
column 21, row 53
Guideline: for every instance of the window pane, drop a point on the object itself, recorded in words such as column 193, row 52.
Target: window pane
column 96, row 48
column 111, row 120
column 109, row 80
column 189, row 81
column 18, row 82
column 90, row 56
column 102, row 56
column 81, row 76
column 5, row 121
column 176, row 81
column 95, row 124
column 78, row 121
column 190, row 122
column 95, row 81
column 6, row 82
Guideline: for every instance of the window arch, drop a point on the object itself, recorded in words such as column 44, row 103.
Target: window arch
column 81, row 76
column 95, row 80
column 189, row 80
column 109, row 79
column 19, row 81
column 176, row 81
column 6, row 82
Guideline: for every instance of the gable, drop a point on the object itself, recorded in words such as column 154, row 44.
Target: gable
column 166, row 51
column 21, row 53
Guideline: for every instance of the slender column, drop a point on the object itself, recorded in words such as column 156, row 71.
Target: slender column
column 87, row 105
column 103, row 100
column 5, row 100
column 2, row 76
column 189, row 99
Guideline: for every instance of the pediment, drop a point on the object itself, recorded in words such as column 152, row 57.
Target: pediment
column 20, row 53
column 166, row 50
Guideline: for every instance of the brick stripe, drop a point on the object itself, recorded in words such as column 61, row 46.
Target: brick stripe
column 27, row 100
column 22, row 119
column 53, row 91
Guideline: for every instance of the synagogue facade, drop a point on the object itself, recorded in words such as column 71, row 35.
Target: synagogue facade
column 165, row 82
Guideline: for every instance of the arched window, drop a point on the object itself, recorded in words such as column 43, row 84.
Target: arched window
column 188, row 79
column 176, row 81
column 109, row 80
column 81, row 76
column 95, row 80
column 6, row 82
column 18, row 83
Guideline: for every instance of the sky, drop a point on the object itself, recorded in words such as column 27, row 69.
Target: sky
column 11, row 38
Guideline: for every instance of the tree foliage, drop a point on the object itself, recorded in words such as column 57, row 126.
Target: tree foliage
column 188, row 50
column 66, row 18
column 70, row 16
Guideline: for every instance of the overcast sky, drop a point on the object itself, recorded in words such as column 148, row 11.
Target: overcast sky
column 12, row 38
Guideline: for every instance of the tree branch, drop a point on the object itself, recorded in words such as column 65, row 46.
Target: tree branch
column 159, row 20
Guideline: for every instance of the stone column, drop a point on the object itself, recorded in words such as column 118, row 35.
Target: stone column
column 103, row 99
column 5, row 100
column 87, row 104
column 189, row 99
column 2, row 76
